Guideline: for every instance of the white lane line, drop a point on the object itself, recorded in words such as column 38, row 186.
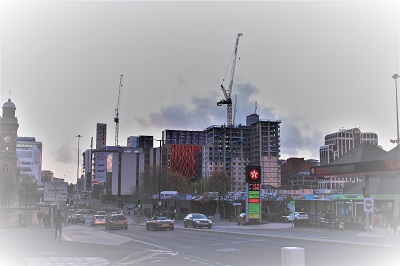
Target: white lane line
column 66, row 261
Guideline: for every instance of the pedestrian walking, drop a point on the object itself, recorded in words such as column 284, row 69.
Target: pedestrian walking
column 58, row 223
column 39, row 216
column 392, row 224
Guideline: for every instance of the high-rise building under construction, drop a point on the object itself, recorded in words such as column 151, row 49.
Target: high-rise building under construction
column 231, row 148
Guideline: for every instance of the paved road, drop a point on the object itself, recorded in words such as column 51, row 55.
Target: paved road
column 84, row 245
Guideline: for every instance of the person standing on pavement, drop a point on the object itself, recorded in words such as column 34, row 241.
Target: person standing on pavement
column 391, row 220
column 58, row 222
column 39, row 216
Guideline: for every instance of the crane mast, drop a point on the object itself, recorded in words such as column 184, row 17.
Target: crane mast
column 228, row 93
column 116, row 119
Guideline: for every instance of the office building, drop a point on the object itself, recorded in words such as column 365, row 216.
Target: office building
column 101, row 135
column 189, row 137
column 29, row 153
column 339, row 143
column 47, row 176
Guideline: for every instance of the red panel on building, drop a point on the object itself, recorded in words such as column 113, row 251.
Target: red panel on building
column 182, row 158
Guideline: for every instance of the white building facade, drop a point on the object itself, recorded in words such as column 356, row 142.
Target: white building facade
column 341, row 142
column 29, row 154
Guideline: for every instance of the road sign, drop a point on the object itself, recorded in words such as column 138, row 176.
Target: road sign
column 368, row 205
column 55, row 191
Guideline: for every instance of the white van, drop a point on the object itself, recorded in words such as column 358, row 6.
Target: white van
column 168, row 194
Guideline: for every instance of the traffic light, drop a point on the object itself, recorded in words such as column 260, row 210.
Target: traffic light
column 67, row 201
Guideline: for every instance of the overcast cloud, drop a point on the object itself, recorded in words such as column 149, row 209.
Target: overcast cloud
column 318, row 66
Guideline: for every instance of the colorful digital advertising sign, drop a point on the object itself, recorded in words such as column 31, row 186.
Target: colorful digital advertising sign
column 253, row 189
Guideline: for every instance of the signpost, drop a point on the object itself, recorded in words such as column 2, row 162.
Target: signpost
column 55, row 192
column 368, row 204
column 253, row 192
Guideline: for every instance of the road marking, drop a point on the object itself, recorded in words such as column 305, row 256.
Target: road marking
column 90, row 235
column 146, row 255
column 66, row 261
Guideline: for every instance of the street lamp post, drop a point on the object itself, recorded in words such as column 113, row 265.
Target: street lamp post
column 159, row 176
column 77, row 168
column 395, row 77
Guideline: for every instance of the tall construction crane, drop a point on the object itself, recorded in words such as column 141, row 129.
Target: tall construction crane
column 228, row 93
column 116, row 119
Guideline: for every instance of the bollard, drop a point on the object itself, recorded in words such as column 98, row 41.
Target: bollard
column 292, row 256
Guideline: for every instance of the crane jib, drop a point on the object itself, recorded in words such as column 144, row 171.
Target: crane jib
column 227, row 94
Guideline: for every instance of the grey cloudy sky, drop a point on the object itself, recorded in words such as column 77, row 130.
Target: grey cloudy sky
column 316, row 65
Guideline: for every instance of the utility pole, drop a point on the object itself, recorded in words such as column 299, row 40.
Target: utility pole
column 396, row 77
column 77, row 168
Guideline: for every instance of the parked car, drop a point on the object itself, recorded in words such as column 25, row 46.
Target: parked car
column 117, row 221
column 160, row 223
column 197, row 220
column 76, row 218
column 295, row 216
column 98, row 219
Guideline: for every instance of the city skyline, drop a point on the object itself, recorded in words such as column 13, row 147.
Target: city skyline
column 317, row 66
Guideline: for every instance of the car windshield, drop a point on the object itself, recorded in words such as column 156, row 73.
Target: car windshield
column 199, row 216
column 99, row 216
column 160, row 218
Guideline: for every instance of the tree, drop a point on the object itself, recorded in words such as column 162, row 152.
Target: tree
column 221, row 183
column 7, row 190
column 28, row 191
column 176, row 182
column 148, row 183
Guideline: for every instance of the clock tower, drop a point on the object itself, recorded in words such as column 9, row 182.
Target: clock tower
column 8, row 155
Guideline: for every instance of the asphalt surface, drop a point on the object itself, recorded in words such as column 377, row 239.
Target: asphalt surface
column 16, row 240
column 378, row 236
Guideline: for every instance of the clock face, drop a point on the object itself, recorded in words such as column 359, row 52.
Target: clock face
column 7, row 138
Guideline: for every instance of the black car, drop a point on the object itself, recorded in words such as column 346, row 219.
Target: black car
column 160, row 223
column 197, row 220
column 117, row 221
column 76, row 218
